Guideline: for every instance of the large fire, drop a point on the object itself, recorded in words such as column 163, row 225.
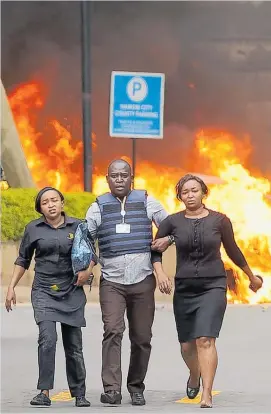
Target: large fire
column 240, row 193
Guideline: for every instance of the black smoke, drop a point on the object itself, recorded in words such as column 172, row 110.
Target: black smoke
column 216, row 57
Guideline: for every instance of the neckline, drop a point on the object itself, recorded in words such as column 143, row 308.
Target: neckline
column 197, row 218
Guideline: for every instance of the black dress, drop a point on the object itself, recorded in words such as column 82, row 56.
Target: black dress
column 54, row 296
column 200, row 283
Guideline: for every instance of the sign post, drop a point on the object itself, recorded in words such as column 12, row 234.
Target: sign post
column 86, row 93
column 134, row 159
column 136, row 107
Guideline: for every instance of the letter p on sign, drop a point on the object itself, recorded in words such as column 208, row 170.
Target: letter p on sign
column 137, row 89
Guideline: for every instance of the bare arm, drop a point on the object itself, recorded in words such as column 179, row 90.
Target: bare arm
column 18, row 273
column 22, row 263
column 235, row 254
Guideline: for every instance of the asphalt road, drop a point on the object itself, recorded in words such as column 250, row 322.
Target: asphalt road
column 243, row 379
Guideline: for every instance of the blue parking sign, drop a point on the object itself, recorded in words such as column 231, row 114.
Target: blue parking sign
column 137, row 105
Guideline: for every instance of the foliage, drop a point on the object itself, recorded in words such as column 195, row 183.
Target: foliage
column 18, row 210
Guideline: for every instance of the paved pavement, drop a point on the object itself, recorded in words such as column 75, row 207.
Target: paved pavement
column 243, row 376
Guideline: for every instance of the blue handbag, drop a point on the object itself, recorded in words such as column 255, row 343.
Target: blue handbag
column 83, row 251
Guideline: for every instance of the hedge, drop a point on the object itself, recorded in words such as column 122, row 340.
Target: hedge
column 18, row 209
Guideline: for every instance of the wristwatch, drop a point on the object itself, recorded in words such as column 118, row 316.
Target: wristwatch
column 171, row 239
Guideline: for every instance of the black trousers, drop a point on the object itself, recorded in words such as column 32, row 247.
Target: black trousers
column 75, row 366
column 138, row 301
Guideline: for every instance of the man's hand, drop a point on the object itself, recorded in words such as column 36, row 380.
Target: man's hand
column 82, row 277
column 164, row 283
column 160, row 245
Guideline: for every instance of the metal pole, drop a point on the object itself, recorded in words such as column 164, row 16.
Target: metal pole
column 134, row 159
column 86, row 93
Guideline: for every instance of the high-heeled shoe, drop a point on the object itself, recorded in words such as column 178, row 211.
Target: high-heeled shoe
column 192, row 392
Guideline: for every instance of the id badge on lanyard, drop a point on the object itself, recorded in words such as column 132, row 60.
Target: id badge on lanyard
column 123, row 228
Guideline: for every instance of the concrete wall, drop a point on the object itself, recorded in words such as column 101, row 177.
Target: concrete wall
column 13, row 159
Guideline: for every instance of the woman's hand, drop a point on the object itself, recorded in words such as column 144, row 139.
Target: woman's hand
column 164, row 283
column 82, row 277
column 10, row 298
column 256, row 283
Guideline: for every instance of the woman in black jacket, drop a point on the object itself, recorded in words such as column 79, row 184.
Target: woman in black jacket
column 200, row 282
column 57, row 296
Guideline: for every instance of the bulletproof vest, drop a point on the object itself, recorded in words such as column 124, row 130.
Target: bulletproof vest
column 138, row 240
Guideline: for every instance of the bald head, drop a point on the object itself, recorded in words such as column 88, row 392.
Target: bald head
column 119, row 163
column 119, row 178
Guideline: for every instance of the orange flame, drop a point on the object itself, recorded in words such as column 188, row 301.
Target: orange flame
column 235, row 190
column 60, row 164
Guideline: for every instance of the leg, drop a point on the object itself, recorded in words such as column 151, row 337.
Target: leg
column 140, row 315
column 190, row 356
column 75, row 366
column 46, row 355
column 208, row 363
column 46, row 359
column 113, row 305
column 208, row 325
column 185, row 314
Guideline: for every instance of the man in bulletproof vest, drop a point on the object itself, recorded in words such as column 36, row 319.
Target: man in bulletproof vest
column 121, row 221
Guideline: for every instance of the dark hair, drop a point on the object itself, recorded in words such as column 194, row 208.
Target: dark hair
column 184, row 180
column 120, row 160
column 40, row 194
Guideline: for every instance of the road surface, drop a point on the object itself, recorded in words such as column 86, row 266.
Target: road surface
column 243, row 379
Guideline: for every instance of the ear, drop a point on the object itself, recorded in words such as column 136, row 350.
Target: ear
column 62, row 204
column 107, row 179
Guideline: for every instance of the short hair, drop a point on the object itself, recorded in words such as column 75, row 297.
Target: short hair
column 40, row 194
column 119, row 160
column 187, row 178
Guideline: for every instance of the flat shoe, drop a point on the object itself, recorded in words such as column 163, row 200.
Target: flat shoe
column 111, row 397
column 192, row 392
column 81, row 402
column 41, row 400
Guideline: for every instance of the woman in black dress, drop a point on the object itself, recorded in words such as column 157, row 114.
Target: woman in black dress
column 200, row 283
column 56, row 296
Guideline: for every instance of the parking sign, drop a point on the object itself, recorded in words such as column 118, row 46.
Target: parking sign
column 137, row 105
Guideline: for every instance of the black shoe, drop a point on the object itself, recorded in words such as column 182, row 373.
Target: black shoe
column 192, row 392
column 111, row 397
column 41, row 399
column 137, row 398
column 81, row 402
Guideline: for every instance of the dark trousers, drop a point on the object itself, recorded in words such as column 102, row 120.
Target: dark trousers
column 75, row 366
column 138, row 300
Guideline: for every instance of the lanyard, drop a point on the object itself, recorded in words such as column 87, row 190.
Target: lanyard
column 122, row 212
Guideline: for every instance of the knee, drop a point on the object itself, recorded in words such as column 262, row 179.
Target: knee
column 74, row 345
column 140, row 338
column 187, row 348
column 204, row 342
column 47, row 340
column 113, row 332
